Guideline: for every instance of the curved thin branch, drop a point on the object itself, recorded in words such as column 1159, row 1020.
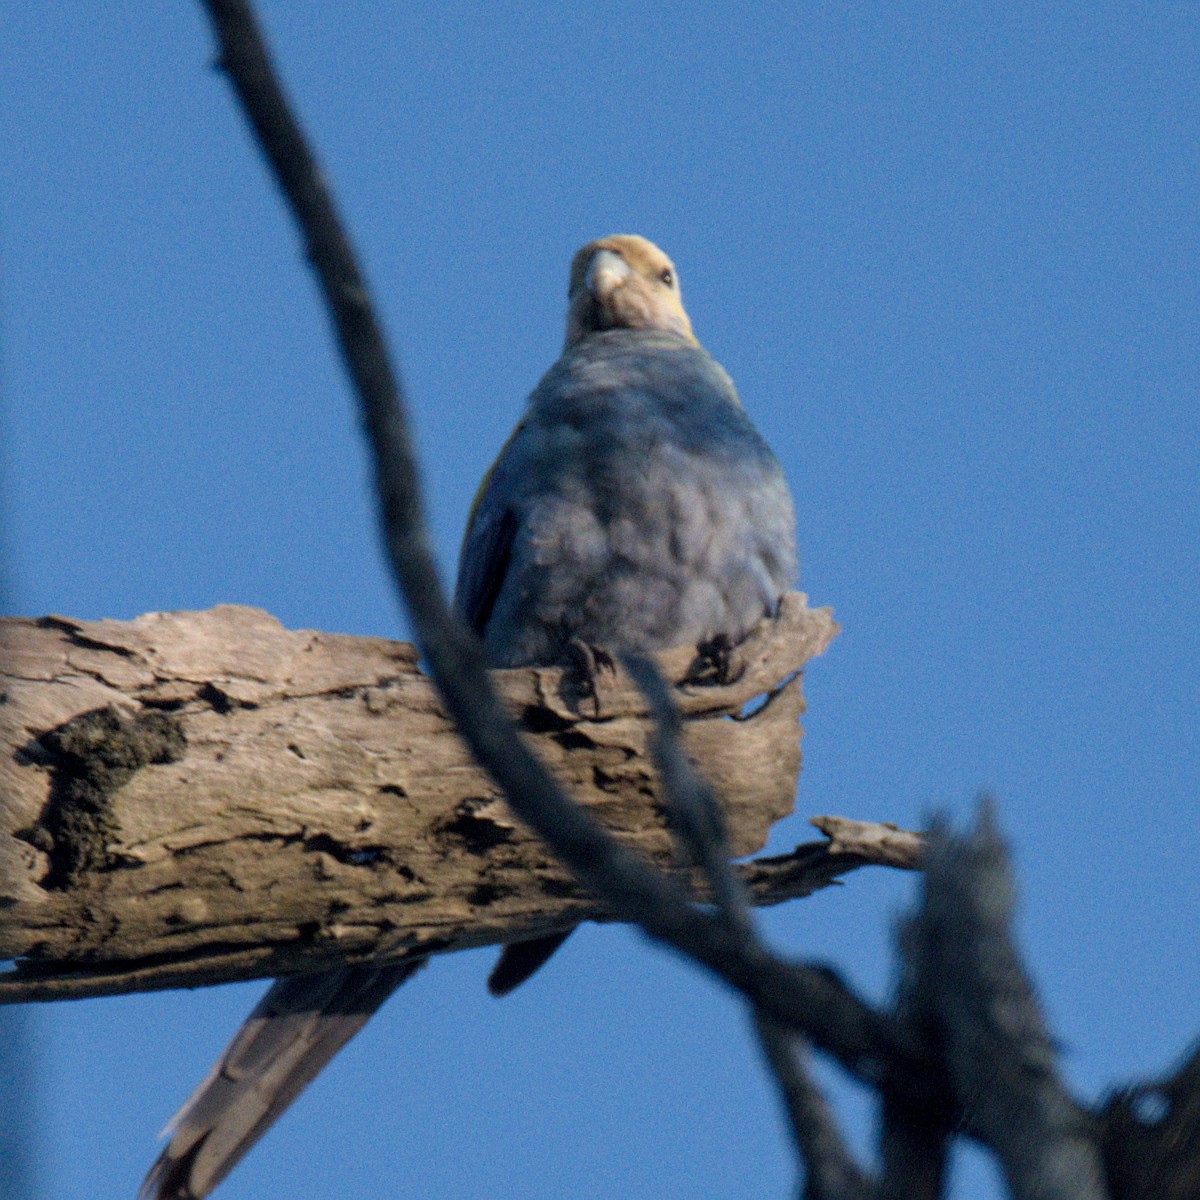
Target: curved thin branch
column 698, row 823
column 831, row 1173
column 805, row 997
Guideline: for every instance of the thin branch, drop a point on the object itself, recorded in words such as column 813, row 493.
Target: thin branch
column 698, row 822
column 830, row 1170
column 695, row 817
column 867, row 1043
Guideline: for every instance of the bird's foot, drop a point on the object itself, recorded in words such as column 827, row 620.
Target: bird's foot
column 715, row 664
column 588, row 662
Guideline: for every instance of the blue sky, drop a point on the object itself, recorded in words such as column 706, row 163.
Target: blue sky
column 948, row 253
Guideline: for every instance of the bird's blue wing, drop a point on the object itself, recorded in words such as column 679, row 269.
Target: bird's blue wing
column 487, row 544
column 486, row 553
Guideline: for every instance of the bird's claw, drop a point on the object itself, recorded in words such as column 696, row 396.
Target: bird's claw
column 588, row 662
column 715, row 664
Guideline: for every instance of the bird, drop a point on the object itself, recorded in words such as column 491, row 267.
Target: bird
column 634, row 508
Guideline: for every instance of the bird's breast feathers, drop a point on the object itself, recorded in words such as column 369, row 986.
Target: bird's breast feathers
column 645, row 509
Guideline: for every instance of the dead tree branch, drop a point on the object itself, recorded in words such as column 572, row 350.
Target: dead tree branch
column 698, row 823
column 965, row 995
column 191, row 798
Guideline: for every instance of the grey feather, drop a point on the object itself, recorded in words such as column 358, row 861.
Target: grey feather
column 299, row 1025
column 645, row 510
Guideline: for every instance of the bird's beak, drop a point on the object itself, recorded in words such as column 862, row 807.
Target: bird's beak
column 606, row 272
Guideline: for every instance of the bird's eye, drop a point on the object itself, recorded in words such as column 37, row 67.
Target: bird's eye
column 667, row 276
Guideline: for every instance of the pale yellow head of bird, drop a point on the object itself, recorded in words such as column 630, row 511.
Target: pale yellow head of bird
column 624, row 282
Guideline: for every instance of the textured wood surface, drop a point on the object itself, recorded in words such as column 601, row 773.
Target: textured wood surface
column 190, row 797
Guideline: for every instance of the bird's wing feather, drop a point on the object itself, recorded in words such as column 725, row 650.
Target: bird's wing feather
column 487, row 551
column 483, row 564
column 297, row 1027
column 486, row 546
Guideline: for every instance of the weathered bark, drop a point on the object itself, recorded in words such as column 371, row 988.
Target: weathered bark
column 189, row 798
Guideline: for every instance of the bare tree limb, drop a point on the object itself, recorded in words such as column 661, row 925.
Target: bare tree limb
column 831, row 1172
column 808, row 868
column 699, row 825
column 208, row 796
column 1150, row 1136
column 986, row 1026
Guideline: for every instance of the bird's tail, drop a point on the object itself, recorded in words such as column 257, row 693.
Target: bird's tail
column 297, row 1027
column 519, row 960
